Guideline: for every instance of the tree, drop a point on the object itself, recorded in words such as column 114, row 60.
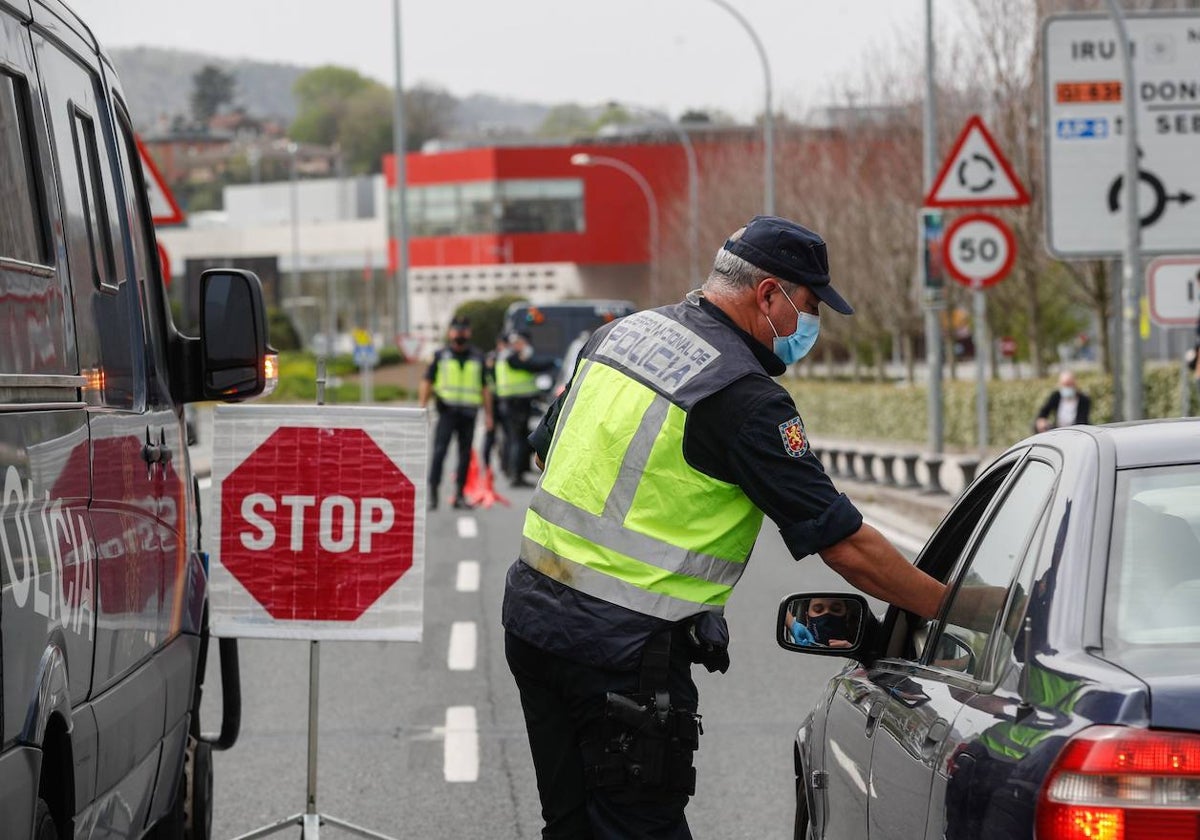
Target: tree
column 338, row 106
column 428, row 114
column 566, row 121
column 322, row 97
column 212, row 87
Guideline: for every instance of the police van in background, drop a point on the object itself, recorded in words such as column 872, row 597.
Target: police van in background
column 560, row 329
column 102, row 582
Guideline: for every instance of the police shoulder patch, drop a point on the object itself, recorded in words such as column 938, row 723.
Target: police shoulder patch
column 795, row 441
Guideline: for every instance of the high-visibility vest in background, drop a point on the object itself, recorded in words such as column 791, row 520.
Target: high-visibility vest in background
column 619, row 513
column 459, row 383
column 514, row 382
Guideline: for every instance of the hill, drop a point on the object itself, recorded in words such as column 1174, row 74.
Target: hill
column 158, row 84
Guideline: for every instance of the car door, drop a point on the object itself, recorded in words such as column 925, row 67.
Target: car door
column 858, row 695
column 918, row 698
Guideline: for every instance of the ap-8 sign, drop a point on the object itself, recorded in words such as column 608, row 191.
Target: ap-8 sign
column 979, row 250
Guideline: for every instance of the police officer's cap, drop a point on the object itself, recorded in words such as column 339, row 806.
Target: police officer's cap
column 461, row 322
column 790, row 252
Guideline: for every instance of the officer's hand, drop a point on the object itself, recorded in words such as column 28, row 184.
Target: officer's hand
column 489, row 423
column 1041, row 424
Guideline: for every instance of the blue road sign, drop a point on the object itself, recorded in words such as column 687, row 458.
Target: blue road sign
column 1083, row 128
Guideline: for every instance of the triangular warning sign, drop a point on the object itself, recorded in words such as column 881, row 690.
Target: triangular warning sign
column 163, row 209
column 976, row 174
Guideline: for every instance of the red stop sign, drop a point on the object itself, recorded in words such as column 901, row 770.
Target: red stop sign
column 317, row 523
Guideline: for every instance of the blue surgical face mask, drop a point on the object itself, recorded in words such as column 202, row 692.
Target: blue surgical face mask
column 792, row 348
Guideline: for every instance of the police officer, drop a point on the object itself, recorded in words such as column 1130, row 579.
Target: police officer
column 661, row 458
column 516, row 387
column 495, row 435
column 456, row 379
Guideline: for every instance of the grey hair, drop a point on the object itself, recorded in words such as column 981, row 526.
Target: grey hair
column 731, row 273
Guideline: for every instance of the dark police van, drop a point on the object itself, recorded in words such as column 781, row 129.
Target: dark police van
column 102, row 582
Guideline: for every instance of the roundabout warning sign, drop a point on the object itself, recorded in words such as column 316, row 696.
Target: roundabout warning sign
column 319, row 531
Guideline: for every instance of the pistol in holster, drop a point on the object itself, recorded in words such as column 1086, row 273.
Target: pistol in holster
column 645, row 742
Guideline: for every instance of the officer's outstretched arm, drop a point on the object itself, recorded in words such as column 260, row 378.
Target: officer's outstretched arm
column 871, row 564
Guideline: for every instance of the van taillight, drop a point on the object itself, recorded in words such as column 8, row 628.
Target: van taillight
column 1120, row 783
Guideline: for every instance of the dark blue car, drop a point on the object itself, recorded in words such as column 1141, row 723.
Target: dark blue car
column 1057, row 693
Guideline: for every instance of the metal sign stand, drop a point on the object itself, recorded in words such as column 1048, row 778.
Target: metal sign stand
column 311, row 819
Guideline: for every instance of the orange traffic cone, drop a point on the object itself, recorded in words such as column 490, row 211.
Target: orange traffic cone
column 473, row 489
column 490, row 496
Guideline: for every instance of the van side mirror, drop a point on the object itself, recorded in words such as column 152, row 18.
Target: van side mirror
column 233, row 334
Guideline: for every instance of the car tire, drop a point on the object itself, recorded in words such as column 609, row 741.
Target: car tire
column 44, row 827
column 803, row 830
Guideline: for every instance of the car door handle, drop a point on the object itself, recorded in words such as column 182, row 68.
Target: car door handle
column 873, row 714
column 934, row 735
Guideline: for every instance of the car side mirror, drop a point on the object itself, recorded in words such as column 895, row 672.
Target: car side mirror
column 233, row 334
column 825, row 624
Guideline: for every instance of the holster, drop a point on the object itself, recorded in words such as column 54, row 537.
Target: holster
column 644, row 741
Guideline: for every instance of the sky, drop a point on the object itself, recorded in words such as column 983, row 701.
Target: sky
column 670, row 55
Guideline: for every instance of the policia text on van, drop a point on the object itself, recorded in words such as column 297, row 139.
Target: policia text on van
column 102, row 582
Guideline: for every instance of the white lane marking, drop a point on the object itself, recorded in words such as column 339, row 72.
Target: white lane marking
column 905, row 542
column 461, row 656
column 468, row 576
column 460, row 752
column 467, row 527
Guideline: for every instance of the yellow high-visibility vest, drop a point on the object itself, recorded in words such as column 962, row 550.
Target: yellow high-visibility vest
column 619, row 513
column 459, row 384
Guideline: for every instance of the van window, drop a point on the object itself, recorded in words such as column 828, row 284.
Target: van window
column 145, row 257
column 87, row 161
column 21, row 230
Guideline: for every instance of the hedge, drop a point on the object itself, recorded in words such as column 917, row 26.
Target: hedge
column 899, row 412
column 298, row 382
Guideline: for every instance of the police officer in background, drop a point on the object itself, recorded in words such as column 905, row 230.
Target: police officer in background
column 456, row 379
column 661, row 458
column 495, row 435
column 516, row 386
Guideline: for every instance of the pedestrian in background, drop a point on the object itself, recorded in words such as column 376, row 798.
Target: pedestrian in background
column 456, row 380
column 670, row 443
column 1066, row 406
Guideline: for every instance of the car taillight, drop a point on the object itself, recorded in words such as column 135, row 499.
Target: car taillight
column 1121, row 783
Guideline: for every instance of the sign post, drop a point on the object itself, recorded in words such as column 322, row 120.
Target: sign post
column 320, row 534
column 978, row 249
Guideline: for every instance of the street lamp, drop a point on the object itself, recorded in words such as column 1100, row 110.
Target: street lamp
column 693, row 170
column 292, row 149
column 768, row 120
column 584, row 159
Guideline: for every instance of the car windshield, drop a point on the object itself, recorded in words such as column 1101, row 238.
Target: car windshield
column 1153, row 595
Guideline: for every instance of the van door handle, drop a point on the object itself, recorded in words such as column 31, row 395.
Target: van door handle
column 164, row 451
column 151, row 453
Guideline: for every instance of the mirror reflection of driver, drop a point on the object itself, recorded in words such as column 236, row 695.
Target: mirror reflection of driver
column 826, row 624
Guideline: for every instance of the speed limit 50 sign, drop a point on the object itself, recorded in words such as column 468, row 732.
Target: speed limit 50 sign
column 979, row 249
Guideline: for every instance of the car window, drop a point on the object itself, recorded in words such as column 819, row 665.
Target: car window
column 961, row 640
column 1153, row 588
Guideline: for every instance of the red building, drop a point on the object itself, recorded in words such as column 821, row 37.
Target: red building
column 527, row 221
